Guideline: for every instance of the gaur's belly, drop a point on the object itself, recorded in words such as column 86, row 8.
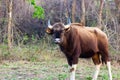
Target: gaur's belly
column 88, row 54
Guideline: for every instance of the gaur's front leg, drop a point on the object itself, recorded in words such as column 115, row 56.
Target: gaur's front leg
column 69, row 60
column 73, row 61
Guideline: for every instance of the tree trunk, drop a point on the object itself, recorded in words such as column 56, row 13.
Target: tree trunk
column 10, row 24
column 83, row 12
column 66, row 9
column 117, row 2
column 100, row 14
column 73, row 10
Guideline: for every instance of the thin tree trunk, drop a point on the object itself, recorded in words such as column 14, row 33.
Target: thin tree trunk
column 73, row 10
column 83, row 12
column 117, row 3
column 10, row 24
column 66, row 8
column 61, row 6
column 100, row 14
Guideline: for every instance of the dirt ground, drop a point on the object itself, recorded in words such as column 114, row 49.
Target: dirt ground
column 53, row 69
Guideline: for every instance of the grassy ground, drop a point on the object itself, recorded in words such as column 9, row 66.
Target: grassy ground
column 44, row 62
column 54, row 68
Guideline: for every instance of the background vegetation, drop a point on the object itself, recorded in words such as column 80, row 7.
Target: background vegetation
column 25, row 28
column 28, row 53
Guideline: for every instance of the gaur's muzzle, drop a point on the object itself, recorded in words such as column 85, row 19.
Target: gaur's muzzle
column 57, row 40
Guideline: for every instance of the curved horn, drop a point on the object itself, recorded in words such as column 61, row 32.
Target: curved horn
column 49, row 25
column 68, row 23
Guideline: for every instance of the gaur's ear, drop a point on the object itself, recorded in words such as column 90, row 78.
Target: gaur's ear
column 49, row 31
column 67, row 29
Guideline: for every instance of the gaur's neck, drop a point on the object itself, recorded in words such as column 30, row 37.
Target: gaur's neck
column 68, row 38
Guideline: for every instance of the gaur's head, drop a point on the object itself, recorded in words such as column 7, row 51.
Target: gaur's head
column 57, row 30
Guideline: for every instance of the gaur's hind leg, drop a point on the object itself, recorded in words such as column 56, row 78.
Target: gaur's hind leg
column 106, row 59
column 109, row 70
column 97, row 62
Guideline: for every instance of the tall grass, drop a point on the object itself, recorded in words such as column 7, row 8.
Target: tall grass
column 36, row 50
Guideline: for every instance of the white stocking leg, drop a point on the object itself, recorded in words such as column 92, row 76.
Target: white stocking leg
column 95, row 76
column 109, row 70
column 72, row 72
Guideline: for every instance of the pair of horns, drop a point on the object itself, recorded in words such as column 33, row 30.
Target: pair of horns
column 66, row 26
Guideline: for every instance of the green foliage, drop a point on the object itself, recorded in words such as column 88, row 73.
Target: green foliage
column 25, row 38
column 5, row 40
column 89, row 78
column 33, row 79
column 33, row 38
column 62, row 76
column 66, row 65
column 4, row 53
column 38, row 10
column 3, row 20
column 105, row 77
column 49, row 78
column 32, row 2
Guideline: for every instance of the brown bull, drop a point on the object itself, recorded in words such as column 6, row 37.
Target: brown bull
column 77, row 41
